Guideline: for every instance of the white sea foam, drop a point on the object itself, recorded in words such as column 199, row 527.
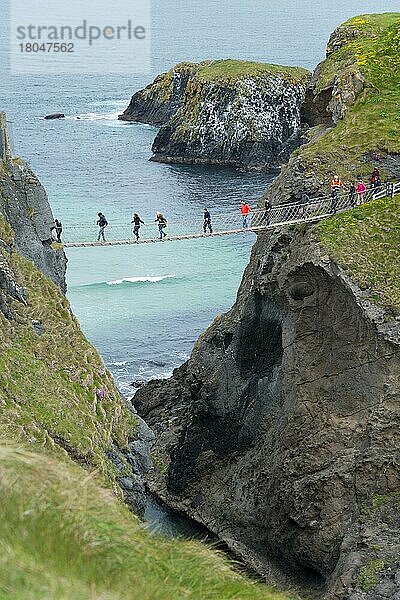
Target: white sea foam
column 139, row 280
column 94, row 116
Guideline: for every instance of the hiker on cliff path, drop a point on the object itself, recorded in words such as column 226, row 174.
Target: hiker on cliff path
column 136, row 221
column 207, row 221
column 162, row 223
column 376, row 178
column 245, row 210
column 102, row 223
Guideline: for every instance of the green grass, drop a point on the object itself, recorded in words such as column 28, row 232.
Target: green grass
column 370, row 573
column 226, row 72
column 365, row 241
column 372, row 125
column 238, row 69
column 64, row 531
column 49, row 383
column 64, row 537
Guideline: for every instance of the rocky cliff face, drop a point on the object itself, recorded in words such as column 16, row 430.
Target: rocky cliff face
column 281, row 428
column 24, row 203
column 249, row 118
column 160, row 100
column 280, row 434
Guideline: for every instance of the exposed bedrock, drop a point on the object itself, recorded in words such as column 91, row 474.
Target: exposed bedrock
column 285, row 422
column 24, row 203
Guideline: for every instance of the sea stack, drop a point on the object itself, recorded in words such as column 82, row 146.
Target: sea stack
column 224, row 112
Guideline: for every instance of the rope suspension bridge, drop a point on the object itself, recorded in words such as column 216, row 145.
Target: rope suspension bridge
column 229, row 223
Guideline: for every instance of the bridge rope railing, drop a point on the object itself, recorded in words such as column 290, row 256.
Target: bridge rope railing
column 258, row 220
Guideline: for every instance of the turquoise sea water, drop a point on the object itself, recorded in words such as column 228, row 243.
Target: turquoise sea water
column 143, row 307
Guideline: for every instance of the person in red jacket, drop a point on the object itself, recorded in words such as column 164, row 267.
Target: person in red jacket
column 245, row 210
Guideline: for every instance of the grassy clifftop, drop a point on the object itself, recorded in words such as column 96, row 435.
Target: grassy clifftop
column 232, row 70
column 366, row 243
column 369, row 45
column 225, row 72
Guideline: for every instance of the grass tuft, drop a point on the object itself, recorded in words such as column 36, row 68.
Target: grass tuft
column 63, row 536
column 365, row 241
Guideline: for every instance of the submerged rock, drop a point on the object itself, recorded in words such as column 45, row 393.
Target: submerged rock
column 224, row 112
column 55, row 116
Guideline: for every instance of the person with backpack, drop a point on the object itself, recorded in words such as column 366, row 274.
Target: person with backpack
column 162, row 223
column 375, row 178
column 361, row 190
column 245, row 211
column 102, row 223
column 207, row 221
column 136, row 222
column 57, row 227
column 267, row 210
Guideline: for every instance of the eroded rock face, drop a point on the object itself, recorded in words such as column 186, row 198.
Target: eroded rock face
column 138, row 457
column 9, row 290
column 160, row 100
column 250, row 122
column 24, row 203
column 334, row 88
column 347, row 86
column 284, row 424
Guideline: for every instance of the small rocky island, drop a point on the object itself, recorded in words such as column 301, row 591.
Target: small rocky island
column 224, row 112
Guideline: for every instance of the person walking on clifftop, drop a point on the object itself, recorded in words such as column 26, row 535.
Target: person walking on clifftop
column 207, row 221
column 136, row 221
column 162, row 223
column 245, row 211
column 102, row 223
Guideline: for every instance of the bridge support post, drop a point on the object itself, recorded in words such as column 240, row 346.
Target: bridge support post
column 390, row 189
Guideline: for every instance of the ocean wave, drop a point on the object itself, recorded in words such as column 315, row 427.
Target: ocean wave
column 124, row 281
column 149, row 279
column 94, row 116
